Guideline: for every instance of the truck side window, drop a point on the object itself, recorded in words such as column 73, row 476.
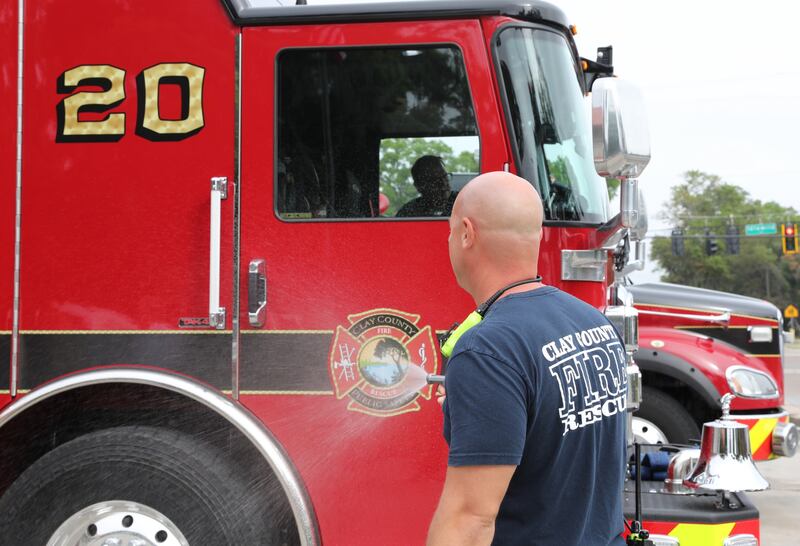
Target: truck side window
column 373, row 132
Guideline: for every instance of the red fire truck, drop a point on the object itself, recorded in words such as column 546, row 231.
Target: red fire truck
column 216, row 329
column 696, row 345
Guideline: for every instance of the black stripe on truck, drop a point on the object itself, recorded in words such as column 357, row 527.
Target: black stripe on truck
column 269, row 362
column 5, row 361
column 740, row 338
column 285, row 362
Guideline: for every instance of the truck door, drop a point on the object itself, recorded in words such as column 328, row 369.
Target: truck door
column 352, row 264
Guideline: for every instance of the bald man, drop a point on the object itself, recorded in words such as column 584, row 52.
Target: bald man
column 535, row 407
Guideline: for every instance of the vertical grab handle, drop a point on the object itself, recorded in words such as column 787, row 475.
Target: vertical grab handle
column 219, row 191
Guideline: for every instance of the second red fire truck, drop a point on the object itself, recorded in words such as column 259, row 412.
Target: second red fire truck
column 695, row 346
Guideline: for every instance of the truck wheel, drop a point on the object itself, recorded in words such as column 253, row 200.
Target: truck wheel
column 145, row 484
column 662, row 419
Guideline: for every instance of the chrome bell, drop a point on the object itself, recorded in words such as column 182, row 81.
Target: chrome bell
column 725, row 463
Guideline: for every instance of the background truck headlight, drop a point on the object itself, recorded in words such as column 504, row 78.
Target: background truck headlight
column 749, row 383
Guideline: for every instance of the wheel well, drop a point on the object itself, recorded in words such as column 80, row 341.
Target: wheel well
column 67, row 415
column 683, row 393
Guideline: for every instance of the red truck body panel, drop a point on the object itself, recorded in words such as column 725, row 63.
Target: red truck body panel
column 135, row 265
column 710, row 357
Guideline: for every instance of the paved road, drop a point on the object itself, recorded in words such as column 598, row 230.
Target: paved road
column 780, row 505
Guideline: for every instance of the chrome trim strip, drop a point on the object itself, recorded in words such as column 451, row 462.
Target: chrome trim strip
column 664, row 540
column 237, row 219
column 232, row 411
column 723, row 317
column 640, row 304
column 741, row 540
column 18, row 213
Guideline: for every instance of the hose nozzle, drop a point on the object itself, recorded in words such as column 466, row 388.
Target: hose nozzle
column 434, row 379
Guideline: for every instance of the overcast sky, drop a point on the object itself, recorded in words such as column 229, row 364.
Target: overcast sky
column 721, row 80
column 722, row 86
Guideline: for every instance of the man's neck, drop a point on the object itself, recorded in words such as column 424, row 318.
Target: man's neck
column 489, row 289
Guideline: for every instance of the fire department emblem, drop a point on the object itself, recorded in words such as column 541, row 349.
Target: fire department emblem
column 381, row 361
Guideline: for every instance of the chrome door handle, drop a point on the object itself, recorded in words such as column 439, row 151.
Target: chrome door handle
column 257, row 292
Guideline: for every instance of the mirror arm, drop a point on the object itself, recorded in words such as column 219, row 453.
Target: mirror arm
column 637, row 264
column 629, row 201
column 601, row 68
column 611, row 233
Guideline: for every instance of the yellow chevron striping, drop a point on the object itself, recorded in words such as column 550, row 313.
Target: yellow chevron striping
column 699, row 534
column 760, row 432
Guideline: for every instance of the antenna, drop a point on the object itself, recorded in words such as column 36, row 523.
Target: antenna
column 638, row 536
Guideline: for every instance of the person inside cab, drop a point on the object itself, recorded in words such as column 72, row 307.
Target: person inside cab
column 433, row 184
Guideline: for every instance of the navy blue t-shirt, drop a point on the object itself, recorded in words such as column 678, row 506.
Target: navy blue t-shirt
column 540, row 383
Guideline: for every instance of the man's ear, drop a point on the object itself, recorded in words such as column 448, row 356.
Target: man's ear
column 468, row 233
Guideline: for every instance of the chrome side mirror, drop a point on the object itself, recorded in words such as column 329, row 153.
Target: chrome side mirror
column 619, row 129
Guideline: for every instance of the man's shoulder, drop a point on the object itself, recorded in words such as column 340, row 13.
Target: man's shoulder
column 550, row 296
column 498, row 337
column 544, row 313
column 477, row 339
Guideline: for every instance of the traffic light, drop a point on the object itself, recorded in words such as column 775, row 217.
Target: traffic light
column 732, row 239
column 711, row 243
column 789, row 232
column 678, row 246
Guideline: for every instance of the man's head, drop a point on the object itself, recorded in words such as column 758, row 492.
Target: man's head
column 431, row 178
column 495, row 230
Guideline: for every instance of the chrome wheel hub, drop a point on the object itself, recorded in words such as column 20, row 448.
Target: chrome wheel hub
column 646, row 432
column 117, row 523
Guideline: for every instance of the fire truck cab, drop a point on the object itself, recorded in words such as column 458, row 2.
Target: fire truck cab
column 216, row 317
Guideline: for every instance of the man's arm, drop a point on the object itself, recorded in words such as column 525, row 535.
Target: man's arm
column 468, row 507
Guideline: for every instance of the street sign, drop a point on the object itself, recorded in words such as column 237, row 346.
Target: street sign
column 791, row 311
column 761, row 229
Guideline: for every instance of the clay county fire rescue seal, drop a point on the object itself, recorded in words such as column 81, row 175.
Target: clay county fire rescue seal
column 381, row 361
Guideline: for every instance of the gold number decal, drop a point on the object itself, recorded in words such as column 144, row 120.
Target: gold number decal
column 189, row 78
column 111, row 80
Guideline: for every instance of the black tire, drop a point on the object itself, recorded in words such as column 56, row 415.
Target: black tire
column 669, row 415
column 187, row 481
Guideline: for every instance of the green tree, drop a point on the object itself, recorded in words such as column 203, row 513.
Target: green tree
column 465, row 162
column 705, row 201
column 399, row 154
column 613, row 187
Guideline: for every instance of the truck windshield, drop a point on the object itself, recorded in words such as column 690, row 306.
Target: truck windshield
column 550, row 124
